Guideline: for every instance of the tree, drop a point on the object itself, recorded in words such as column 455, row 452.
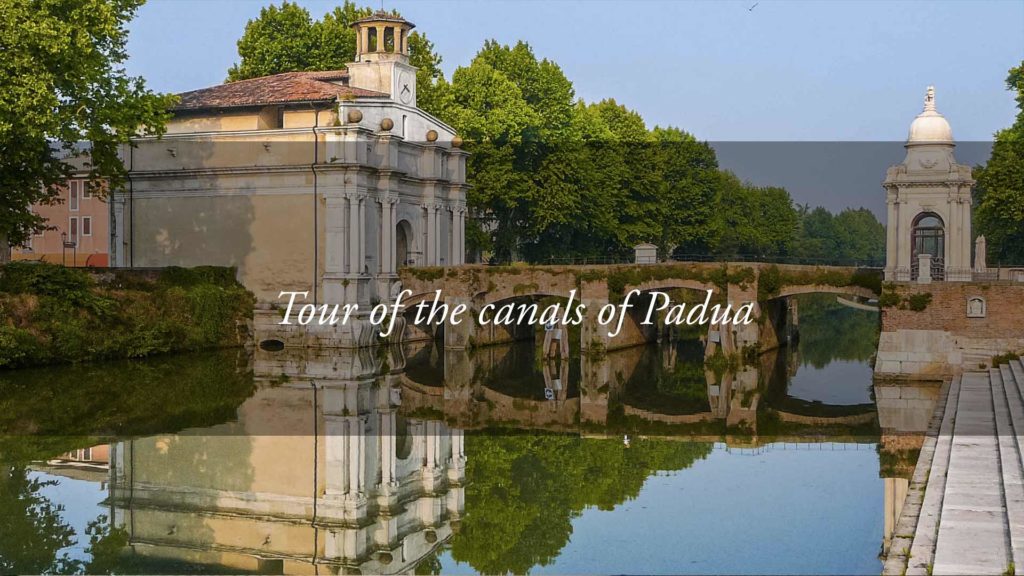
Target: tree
column 64, row 83
column 860, row 237
column 281, row 40
column 999, row 194
column 752, row 221
column 32, row 528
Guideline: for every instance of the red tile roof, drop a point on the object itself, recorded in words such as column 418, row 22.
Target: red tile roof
column 289, row 87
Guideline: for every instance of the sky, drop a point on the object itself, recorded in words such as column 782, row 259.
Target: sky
column 782, row 71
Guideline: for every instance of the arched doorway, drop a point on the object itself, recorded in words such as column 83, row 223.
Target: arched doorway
column 928, row 237
column 403, row 247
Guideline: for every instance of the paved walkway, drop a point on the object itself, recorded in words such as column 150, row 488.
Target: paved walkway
column 971, row 518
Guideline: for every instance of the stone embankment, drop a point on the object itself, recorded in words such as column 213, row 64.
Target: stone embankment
column 966, row 513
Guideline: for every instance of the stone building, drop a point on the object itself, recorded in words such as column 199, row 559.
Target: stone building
column 929, row 205
column 78, row 232
column 325, row 182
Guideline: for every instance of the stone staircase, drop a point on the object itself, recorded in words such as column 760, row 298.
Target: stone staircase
column 971, row 519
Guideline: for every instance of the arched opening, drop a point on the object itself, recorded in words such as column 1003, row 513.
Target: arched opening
column 928, row 237
column 403, row 247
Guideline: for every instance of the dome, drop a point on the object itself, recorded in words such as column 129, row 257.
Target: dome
column 930, row 127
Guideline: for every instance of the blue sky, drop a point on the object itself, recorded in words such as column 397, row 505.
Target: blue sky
column 782, row 71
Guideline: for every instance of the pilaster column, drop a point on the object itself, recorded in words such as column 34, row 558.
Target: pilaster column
column 437, row 233
column 362, row 234
column 386, row 236
column 380, row 39
column 890, row 237
column 387, row 447
column 460, row 234
column 356, row 455
column 431, row 233
column 354, row 229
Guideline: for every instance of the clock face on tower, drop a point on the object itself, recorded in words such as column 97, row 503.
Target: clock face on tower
column 405, row 87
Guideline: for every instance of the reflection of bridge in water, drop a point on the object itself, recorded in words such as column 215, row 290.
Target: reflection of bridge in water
column 355, row 462
column 663, row 390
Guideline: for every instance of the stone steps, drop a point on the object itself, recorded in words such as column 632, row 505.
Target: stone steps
column 973, row 528
column 1012, row 376
column 971, row 519
column 922, row 549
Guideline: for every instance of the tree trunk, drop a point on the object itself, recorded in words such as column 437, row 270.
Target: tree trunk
column 5, row 249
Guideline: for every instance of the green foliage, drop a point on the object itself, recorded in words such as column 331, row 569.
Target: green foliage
column 751, row 221
column 285, row 38
column 64, row 82
column 32, row 529
column 524, row 491
column 852, row 236
column 223, row 277
column 999, row 194
column 772, row 279
column 1004, row 358
column 49, row 314
column 117, row 398
column 920, row 301
column 890, row 298
column 830, row 331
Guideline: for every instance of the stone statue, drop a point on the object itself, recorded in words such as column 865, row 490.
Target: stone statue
column 980, row 251
column 929, row 98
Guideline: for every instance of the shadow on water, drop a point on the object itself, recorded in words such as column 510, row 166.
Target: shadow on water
column 420, row 459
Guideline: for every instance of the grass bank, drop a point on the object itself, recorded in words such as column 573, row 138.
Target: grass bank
column 54, row 315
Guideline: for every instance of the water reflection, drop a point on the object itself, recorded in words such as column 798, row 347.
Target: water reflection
column 419, row 459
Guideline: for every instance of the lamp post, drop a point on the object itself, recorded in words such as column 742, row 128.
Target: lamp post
column 64, row 251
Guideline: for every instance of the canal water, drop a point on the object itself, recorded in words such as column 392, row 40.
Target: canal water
column 416, row 459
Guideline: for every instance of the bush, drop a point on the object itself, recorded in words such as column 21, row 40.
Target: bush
column 72, row 319
column 918, row 302
column 44, row 280
column 187, row 277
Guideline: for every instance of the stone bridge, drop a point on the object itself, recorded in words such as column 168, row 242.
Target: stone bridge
column 768, row 287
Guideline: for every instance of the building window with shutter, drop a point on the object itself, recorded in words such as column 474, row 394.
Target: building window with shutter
column 74, row 188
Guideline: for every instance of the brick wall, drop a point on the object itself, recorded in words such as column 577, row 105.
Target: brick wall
column 947, row 310
column 941, row 339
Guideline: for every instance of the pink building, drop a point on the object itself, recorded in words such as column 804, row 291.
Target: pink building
column 80, row 234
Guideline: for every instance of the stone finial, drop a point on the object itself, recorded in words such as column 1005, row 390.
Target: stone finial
column 929, row 99
column 431, row 135
column 355, row 116
column 456, row 141
column 387, row 124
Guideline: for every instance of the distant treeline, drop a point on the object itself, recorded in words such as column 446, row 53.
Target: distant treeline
column 554, row 176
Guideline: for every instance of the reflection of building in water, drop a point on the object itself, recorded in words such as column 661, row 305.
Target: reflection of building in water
column 317, row 474
column 904, row 412
column 91, row 464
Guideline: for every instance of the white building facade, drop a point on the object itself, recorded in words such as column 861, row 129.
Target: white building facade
column 322, row 182
column 929, row 205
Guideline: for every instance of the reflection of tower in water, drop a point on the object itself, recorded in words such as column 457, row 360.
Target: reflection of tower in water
column 319, row 473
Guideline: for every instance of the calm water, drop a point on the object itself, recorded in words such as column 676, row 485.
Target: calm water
column 417, row 459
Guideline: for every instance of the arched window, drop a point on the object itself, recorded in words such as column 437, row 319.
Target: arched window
column 928, row 237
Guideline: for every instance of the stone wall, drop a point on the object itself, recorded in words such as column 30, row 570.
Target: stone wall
column 944, row 335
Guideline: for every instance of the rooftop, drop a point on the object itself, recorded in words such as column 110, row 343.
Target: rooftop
column 289, row 87
column 382, row 16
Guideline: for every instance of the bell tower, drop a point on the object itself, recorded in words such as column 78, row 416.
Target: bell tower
column 382, row 57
